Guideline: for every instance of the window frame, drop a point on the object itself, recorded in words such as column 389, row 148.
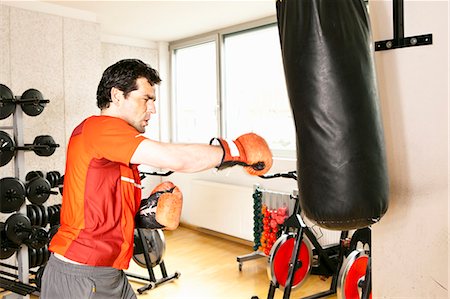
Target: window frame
column 218, row 37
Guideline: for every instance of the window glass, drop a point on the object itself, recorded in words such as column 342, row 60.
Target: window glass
column 195, row 93
column 254, row 89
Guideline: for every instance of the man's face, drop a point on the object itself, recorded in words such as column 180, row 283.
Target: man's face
column 139, row 105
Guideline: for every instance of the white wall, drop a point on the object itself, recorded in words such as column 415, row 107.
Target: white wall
column 410, row 244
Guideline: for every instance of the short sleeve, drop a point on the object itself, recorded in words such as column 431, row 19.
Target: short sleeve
column 111, row 138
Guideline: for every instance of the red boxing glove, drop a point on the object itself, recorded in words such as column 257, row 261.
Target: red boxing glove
column 248, row 150
column 162, row 209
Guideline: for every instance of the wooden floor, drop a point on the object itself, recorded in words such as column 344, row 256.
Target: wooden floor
column 209, row 269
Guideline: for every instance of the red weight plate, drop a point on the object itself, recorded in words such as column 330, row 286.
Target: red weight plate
column 281, row 257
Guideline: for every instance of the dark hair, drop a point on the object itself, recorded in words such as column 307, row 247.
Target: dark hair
column 123, row 75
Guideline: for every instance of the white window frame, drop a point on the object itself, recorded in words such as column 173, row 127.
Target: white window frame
column 218, row 37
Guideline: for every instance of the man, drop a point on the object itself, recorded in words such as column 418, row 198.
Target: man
column 102, row 191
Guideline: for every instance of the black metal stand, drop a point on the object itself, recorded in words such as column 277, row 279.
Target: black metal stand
column 152, row 279
column 399, row 41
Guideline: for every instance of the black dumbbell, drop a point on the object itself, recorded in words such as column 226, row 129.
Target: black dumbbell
column 43, row 145
column 18, row 230
column 32, row 102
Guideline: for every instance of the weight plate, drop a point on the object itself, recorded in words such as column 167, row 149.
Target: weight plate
column 46, row 255
column 44, row 213
column 31, row 214
column 32, row 257
column 12, row 195
column 14, row 226
column 7, row 248
column 52, row 231
column 279, row 260
column 54, row 219
column 156, row 247
column 32, row 102
column 38, row 277
column 352, row 271
column 33, row 174
column 38, row 190
column 44, row 145
column 6, row 148
column 39, row 256
column 7, row 105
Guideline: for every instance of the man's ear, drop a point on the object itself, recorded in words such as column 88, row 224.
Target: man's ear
column 116, row 95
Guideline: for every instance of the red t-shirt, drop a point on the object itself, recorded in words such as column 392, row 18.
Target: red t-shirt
column 101, row 194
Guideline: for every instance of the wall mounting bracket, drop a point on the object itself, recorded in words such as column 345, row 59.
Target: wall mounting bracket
column 399, row 40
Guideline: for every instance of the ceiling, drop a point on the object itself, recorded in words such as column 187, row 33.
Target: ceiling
column 170, row 20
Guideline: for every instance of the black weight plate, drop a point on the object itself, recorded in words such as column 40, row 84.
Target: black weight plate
column 38, row 277
column 13, row 226
column 31, row 214
column 44, row 216
column 54, row 219
column 48, row 143
column 6, row 148
column 46, row 255
column 52, row 231
column 12, row 194
column 38, row 215
column 7, row 105
column 51, row 178
column 32, row 257
column 156, row 247
column 32, row 102
column 33, row 174
column 7, row 249
column 39, row 256
column 37, row 190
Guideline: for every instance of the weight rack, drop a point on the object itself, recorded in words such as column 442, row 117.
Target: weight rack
column 19, row 284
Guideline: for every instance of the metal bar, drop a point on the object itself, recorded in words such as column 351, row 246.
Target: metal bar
column 398, row 19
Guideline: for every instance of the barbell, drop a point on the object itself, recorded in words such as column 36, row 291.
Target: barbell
column 43, row 145
column 32, row 102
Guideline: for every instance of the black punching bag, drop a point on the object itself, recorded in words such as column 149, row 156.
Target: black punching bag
column 330, row 75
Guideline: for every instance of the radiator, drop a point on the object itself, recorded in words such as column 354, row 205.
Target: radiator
column 223, row 208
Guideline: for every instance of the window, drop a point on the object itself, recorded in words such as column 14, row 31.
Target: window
column 195, row 93
column 240, row 90
column 254, row 90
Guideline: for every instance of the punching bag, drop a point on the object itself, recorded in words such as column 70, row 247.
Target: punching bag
column 330, row 76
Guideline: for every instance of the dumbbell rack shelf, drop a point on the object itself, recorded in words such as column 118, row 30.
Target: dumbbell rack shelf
column 19, row 172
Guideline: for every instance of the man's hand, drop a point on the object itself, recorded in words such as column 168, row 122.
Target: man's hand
column 248, row 150
column 162, row 209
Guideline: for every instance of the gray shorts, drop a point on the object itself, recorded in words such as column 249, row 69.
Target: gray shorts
column 70, row 281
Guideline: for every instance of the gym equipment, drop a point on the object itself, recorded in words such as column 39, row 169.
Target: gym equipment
column 148, row 253
column 18, row 229
column 293, row 257
column 354, row 277
column 13, row 285
column 7, row 248
column 156, row 244
column 43, row 145
column 32, row 102
column 149, row 248
column 13, row 192
column 39, row 190
column 331, row 82
column 7, row 105
column 12, row 195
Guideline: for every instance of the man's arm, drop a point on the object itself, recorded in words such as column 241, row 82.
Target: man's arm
column 177, row 157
